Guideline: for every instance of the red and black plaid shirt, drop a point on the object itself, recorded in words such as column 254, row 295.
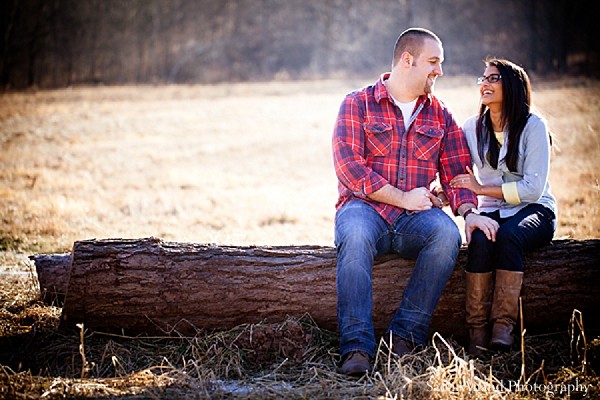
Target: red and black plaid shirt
column 371, row 147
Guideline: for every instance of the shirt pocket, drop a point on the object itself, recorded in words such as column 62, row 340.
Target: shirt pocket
column 378, row 138
column 427, row 141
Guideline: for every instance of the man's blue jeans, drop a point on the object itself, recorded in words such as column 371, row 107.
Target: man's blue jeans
column 361, row 234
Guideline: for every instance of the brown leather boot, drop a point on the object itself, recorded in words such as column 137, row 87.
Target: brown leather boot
column 478, row 302
column 505, row 308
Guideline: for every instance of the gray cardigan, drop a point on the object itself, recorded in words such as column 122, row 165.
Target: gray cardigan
column 532, row 172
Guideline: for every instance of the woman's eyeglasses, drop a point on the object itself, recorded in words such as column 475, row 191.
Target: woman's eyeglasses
column 491, row 78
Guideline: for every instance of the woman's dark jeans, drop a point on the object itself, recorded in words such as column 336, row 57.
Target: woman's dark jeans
column 532, row 227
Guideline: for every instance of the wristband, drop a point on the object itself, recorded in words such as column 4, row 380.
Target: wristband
column 469, row 211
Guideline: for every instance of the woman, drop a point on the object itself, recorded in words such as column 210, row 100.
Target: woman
column 510, row 149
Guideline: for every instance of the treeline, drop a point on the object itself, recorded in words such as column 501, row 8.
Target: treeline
column 57, row 43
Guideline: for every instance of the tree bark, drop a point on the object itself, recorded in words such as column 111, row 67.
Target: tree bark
column 155, row 287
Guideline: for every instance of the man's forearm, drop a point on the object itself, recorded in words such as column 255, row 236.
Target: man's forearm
column 417, row 199
column 465, row 207
column 388, row 195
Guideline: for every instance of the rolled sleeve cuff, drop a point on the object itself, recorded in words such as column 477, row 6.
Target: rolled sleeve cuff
column 372, row 183
column 511, row 193
column 458, row 197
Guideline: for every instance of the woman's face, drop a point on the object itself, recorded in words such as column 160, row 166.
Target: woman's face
column 491, row 92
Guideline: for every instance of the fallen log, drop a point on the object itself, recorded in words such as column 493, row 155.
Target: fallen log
column 155, row 287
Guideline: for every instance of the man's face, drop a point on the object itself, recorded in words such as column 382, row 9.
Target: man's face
column 427, row 66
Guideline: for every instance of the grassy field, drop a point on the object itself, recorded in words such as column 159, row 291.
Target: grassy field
column 227, row 164
column 232, row 164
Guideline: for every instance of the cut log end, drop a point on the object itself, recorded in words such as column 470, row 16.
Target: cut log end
column 53, row 276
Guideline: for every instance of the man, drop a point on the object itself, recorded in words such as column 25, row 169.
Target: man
column 391, row 140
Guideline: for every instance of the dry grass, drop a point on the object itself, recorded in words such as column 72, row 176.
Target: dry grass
column 292, row 359
column 230, row 164
column 236, row 164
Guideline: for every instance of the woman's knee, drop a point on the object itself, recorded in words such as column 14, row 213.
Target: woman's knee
column 479, row 241
column 481, row 253
column 508, row 240
column 509, row 248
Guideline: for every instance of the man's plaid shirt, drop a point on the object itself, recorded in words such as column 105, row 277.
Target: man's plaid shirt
column 371, row 148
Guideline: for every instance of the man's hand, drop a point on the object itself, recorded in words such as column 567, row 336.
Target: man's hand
column 487, row 225
column 419, row 199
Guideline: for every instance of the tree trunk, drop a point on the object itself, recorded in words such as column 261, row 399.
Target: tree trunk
column 155, row 287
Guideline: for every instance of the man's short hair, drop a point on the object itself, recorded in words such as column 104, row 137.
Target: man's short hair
column 411, row 40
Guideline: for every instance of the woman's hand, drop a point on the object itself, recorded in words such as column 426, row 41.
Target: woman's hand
column 466, row 181
column 487, row 225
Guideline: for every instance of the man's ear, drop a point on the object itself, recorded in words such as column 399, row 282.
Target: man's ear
column 406, row 59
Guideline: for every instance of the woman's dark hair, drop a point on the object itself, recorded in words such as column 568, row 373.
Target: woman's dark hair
column 516, row 108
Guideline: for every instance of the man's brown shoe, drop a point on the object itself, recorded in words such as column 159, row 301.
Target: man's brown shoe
column 356, row 364
column 400, row 346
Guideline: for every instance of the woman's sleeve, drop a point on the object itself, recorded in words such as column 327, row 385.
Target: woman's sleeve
column 535, row 154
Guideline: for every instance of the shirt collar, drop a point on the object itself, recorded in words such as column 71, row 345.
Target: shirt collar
column 380, row 91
